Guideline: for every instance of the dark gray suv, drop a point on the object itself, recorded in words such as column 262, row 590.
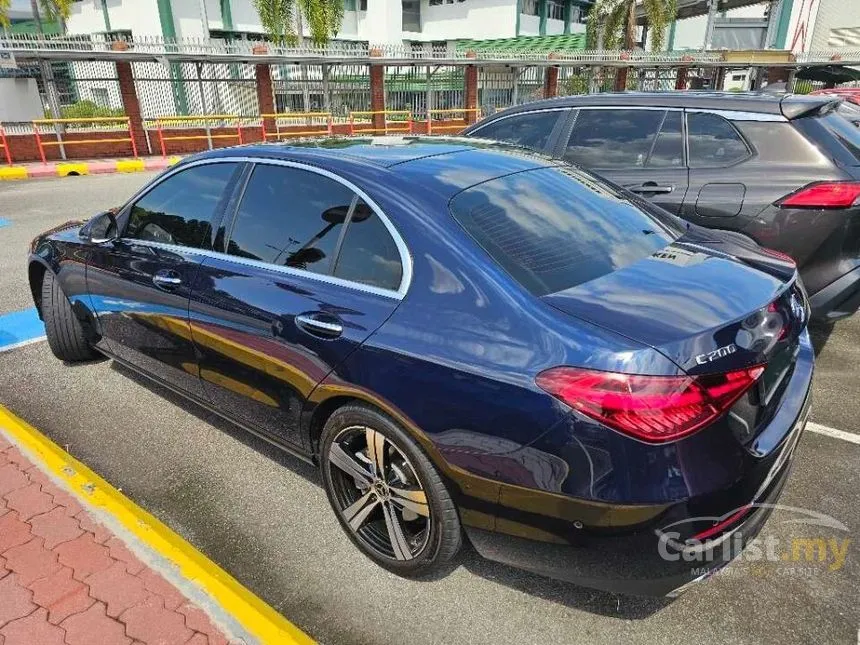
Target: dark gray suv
column 782, row 170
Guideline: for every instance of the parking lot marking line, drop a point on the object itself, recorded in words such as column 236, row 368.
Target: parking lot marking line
column 256, row 617
column 20, row 327
column 23, row 343
column 833, row 432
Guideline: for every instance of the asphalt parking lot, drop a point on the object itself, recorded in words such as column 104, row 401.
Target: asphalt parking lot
column 263, row 516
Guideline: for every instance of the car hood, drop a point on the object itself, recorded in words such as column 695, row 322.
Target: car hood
column 695, row 297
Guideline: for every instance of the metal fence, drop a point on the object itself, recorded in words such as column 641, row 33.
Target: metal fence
column 320, row 89
column 195, row 88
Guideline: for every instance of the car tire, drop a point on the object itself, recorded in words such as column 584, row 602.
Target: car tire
column 65, row 334
column 393, row 500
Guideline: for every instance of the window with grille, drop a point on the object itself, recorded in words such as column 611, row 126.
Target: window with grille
column 531, row 8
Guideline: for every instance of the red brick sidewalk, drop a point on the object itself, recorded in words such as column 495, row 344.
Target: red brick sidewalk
column 65, row 579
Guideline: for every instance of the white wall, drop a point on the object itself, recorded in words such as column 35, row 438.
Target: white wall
column 213, row 12
column 529, row 25
column 554, row 27
column 188, row 19
column 19, row 100
column 834, row 14
column 471, row 19
column 140, row 16
column 690, row 33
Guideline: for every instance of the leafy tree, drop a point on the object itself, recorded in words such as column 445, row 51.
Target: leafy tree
column 283, row 19
column 5, row 5
column 54, row 10
column 612, row 23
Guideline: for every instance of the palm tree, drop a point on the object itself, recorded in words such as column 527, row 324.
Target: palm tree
column 55, row 10
column 5, row 5
column 612, row 25
column 283, row 19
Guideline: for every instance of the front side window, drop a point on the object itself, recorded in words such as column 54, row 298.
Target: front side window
column 531, row 130
column 290, row 217
column 181, row 209
column 713, row 141
column 615, row 138
column 554, row 228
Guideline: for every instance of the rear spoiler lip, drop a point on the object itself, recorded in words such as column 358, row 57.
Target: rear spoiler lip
column 794, row 106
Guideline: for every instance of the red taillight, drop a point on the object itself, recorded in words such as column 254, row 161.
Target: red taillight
column 651, row 408
column 825, row 194
column 779, row 255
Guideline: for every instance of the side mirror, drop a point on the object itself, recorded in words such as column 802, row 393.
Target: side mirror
column 101, row 228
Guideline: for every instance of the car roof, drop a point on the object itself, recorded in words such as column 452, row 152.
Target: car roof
column 444, row 164
column 787, row 105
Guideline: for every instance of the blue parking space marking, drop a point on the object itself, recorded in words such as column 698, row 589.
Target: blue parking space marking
column 4, row 222
column 20, row 328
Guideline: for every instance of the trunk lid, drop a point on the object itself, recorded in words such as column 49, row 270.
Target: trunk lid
column 711, row 303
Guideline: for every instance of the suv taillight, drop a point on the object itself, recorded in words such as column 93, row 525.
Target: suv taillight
column 655, row 409
column 824, row 194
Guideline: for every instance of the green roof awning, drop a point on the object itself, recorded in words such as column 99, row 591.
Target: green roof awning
column 525, row 44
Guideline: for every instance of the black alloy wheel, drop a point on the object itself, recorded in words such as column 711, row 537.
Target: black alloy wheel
column 386, row 493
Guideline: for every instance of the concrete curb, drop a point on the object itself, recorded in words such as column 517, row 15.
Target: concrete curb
column 76, row 168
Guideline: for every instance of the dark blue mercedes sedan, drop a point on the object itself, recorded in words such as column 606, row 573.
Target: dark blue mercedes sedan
column 468, row 339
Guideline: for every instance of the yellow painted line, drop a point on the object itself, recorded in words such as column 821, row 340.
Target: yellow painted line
column 130, row 165
column 173, row 161
column 13, row 172
column 254, row 615
column 66, row 169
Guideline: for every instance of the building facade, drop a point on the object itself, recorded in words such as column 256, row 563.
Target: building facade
column 367, row 21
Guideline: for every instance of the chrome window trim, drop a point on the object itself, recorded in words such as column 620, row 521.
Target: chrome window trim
column 217, row 255
column 491, row 121
column 740, row 115
column 403, row 250
column 616, row 106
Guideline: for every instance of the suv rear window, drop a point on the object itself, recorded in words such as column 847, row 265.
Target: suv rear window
column 845, row 132
column 555, row 228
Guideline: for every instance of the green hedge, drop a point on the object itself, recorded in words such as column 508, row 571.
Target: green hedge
column 85, row 110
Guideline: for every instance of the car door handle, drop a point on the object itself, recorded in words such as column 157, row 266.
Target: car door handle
column 651, row 188
column 313, row 324
column 167, row 279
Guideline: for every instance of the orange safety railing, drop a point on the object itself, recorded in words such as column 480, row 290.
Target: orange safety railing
column 391, row 126
column 322, row 124
column 5, row 145
column 448, row 114
column 94, row 120
column 192, row 121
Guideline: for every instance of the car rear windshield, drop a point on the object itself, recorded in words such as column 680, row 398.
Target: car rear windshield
column 555, row 228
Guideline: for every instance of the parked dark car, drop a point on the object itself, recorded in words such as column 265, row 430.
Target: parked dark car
column 781, row 169
column 463, row 336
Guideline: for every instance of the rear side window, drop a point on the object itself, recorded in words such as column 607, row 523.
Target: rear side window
column 616, row 138
column 555, row 228
column 713, row 141
column 180, row 210
column 290, row 217
column 531, row 130
column 668, row 149
column 368, row 253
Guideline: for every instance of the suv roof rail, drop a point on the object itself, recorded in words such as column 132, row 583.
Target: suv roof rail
column 794, row 106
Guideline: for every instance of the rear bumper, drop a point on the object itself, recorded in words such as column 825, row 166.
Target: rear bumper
column 643, row 549
column 839, row 299
column 632, row 564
